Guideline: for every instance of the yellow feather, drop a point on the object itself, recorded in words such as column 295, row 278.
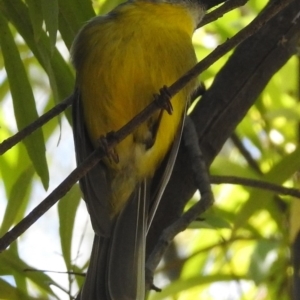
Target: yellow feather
column 122, row 60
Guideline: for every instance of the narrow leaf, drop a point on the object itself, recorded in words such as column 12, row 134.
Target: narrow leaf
column 36, row 17
column 67, row 208
column 11, row 264
column 17, row 13
column 185, row 284
column 17, row 200
column 50, row 14
column 23, row 101
column 10, row 292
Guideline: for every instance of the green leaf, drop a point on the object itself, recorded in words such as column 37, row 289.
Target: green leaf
column 17, row 13
column 76, row 13
column 66, row 31
column 73, row 15
column 19, row 279
column 262, row 260
column 67, row 208
column 223, row 166
column 79, row 279
column 109, row 5
column 36, row 17
column 18, row 200
column 211, row 220
column 11, row 264
column 4, row 88
column 50, row 14
column 182, row 285
column 10, row 292
column 23, row 101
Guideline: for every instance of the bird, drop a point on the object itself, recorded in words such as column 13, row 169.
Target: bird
column 122, row 60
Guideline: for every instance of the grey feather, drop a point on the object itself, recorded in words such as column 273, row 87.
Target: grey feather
column 117, row 263
column 166, row 174
column 94, row 185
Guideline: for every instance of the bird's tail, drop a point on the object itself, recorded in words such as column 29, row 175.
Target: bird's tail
column 117, row 264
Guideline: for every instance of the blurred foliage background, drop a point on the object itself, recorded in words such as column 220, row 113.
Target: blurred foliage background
column 240, row 249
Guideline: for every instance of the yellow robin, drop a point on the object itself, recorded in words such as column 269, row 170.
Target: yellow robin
column 122, row 59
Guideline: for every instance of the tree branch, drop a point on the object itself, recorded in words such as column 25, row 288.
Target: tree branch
column 255, row 183
column 221, row 11
column 22, row 134
column 246, row 154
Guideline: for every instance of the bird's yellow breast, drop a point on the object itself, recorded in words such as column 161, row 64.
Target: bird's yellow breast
column 122, row 60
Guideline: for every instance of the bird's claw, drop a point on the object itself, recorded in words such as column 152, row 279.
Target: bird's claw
column 163, row 100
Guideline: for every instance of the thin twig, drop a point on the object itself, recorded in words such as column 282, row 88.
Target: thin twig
column 22, row 134
column 255, row 183
column 56, row 272
column 244, row 151
column 221, row 11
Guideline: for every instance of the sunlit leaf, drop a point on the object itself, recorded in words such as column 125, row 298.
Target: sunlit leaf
column 53, row 63
column 11, row 264
column 182, row 285
column 50, row 14
column 23, row 100
column 263, row 257
column 67, row 208
column 36, row 17
column 10, row 292
column 18, row 199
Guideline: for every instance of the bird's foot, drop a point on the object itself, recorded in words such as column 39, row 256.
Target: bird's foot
column 163, row 100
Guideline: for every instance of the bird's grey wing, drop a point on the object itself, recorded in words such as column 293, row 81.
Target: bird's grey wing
column 94, row 184
column 163, row 175
column 117, row 265
column 126, row 259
